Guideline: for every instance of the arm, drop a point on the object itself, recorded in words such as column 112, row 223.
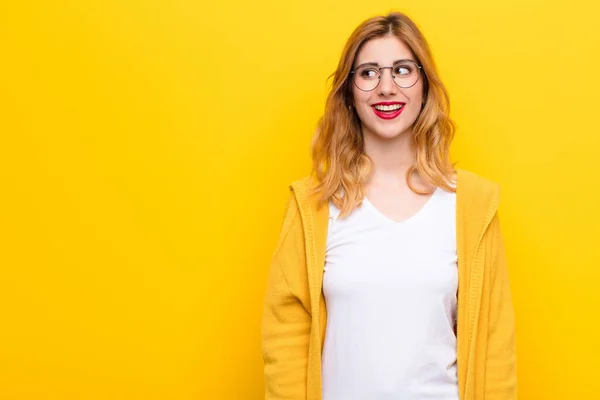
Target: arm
column 286, row 323
column 501, row 373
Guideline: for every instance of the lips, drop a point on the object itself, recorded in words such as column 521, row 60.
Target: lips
column 390, row 110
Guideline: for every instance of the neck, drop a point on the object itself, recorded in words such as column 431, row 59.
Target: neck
column 392, row 158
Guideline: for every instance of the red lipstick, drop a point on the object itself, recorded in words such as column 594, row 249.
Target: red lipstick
column 388, row 114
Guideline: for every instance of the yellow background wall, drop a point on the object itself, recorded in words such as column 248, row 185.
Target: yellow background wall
column 145, row 153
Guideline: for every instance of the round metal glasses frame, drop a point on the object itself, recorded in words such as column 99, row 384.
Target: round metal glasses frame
column 353, row 73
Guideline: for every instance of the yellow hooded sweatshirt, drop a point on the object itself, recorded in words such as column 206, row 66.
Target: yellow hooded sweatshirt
column 295, row 316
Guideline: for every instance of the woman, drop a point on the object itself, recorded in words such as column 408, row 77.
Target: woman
column 389, row 280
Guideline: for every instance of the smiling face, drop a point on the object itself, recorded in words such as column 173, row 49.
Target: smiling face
column 378, row 109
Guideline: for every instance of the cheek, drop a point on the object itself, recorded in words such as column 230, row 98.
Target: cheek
column 361, row 100
column 359, row 97
column 363, row 109
column 418, row 96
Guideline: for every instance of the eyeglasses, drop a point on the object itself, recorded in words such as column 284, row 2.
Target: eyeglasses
column 405, row 75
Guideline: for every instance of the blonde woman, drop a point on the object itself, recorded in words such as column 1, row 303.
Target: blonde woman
column 389, row 279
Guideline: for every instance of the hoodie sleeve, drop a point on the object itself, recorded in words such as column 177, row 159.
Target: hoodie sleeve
column 500, row 372
column 286, row 323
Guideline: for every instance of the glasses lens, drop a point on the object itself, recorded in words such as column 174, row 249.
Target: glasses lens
column 406, row 74
column 366, row 78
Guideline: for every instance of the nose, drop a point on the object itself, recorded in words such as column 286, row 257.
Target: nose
column 387, row 86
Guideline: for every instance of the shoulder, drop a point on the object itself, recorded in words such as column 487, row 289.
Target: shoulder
column 467, row 181
column 299, row 198
column 291, row 219
column 304, row 183
column 306, row 195
column 474, row 186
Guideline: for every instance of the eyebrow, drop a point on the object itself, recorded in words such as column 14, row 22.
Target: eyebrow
column 374, row 64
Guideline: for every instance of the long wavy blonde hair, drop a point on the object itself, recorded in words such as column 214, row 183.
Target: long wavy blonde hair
column 337, row 148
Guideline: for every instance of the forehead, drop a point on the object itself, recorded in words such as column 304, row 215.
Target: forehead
column 383, row 51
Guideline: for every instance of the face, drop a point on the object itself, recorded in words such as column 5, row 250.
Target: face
column 385, row 123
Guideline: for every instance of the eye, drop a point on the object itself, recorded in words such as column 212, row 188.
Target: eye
column 403, row 69
column 368, row 73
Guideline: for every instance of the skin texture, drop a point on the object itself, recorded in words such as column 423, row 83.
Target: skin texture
column 388, row 142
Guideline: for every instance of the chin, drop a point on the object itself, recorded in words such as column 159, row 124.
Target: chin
column 390, row 132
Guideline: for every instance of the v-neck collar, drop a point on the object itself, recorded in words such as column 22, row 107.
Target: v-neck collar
column 418, row 215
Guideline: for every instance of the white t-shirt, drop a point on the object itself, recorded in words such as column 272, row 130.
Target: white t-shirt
column 390, row 290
